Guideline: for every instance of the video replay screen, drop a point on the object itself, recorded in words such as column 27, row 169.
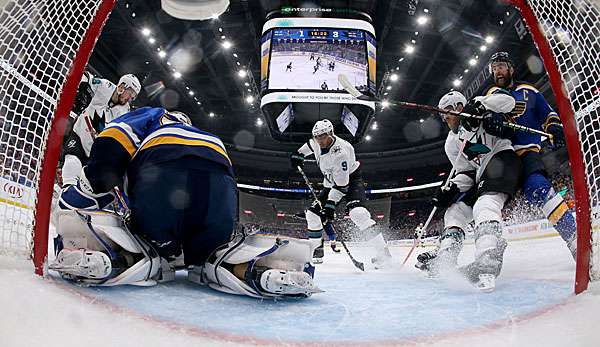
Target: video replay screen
column 312, row 59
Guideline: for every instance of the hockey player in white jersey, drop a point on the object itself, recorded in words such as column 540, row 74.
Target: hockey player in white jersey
column 487, row 175
column 107, row 101
column 342, row 179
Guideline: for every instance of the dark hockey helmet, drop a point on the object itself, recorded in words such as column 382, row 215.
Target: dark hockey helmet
column 500, row 57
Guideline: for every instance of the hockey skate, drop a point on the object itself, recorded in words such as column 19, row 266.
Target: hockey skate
column 334, row 247
column 482, row 273
column 382, row 259
column 318, row 254
column 288, row 282
column 445, row 257
column 74, row 263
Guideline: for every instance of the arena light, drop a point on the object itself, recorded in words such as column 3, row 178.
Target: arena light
column 259, row 122
column 409, row 49
column 442, row 174
column 466, row 70
column 368, row 137
column 385, row 103
column 422, row 20
column 388, row 88
column 472, row 61
column 191, row 93
column 162, row 54
column 410, row 179
column 152, row 40
column 177, row 74
column 489, row 39
column 214, row 16
column 247, row 84
column 483, row 48
column 249, row 99
column 426, row 10
column 235, row 55
column 421, row 120
column 374, row 126
column 211, row 114
column 393, row 77
column 146, row 32
column 242, row 73
column 456, row 82
column 227, row 44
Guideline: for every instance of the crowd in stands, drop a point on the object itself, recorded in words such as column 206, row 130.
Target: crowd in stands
column 403, row 222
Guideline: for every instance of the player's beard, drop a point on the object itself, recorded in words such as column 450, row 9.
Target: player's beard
column 503, row 81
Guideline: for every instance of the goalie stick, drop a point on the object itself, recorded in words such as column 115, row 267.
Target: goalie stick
column 358, row 264
column 347, row 85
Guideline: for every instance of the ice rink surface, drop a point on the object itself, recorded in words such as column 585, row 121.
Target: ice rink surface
column 302, row 76
column 533, row 305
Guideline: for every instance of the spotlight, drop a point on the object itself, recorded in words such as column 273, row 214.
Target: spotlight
column 242, row 73
column 211, row 115
column 227, row 44
column 393, row 77
column 456, row 83
column 489, row 39
column 162, row 54
column 249, row 99
column 472, row 61
column 409, row 49
column 146, row 32
column 177, row 74
column 422, row 20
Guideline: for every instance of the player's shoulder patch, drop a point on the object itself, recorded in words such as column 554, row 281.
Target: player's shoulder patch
column 525, row 85
column 96, row 80
column 336, row 149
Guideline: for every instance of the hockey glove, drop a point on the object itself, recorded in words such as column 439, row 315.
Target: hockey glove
column 558, row 136
column 80, row 196
column 83, row 98
column 296, row 160
column 493, row 124
column 474, row 108
column 446, row 197
column 329, row 210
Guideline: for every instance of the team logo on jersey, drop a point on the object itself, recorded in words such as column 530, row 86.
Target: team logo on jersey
column 519, row 110
column 336, row 149
column 71, row 144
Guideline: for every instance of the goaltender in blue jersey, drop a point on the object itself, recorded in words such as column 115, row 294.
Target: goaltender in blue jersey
column 183, row 201
column 532, row 110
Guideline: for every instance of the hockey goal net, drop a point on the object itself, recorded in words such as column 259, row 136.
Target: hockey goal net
column 44, row 46
column 567, row 35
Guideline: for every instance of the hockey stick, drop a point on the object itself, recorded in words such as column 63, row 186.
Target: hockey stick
column 347, row 85
column 356, row 263
column 434, row 210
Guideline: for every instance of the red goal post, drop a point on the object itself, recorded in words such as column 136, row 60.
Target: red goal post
column 567, row 34
column 44, row 47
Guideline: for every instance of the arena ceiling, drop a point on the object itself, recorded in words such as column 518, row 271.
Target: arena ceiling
column 450, row 50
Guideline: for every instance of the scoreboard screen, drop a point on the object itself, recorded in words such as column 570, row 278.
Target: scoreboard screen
column 312, row 58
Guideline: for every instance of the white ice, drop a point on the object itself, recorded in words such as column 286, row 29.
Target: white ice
column 533, row 305
column 302, row 76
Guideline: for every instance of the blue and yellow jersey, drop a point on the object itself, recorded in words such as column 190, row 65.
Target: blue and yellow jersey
column 147, row 131
column 531, row 110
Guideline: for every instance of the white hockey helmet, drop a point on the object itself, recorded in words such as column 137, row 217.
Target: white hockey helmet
column 130, row 81
column 321, row 127
column 452, row 98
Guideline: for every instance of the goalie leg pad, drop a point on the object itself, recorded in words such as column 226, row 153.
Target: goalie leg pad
column 361, row 217
column 289, row 255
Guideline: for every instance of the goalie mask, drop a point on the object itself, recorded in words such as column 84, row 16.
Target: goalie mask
column 173, row 117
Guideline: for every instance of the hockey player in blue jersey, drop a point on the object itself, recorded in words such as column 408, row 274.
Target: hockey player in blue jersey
column 183, row 201
column 532, row 110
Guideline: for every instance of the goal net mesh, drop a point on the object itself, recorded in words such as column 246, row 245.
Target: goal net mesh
column 572, row 29
column 38, row 42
